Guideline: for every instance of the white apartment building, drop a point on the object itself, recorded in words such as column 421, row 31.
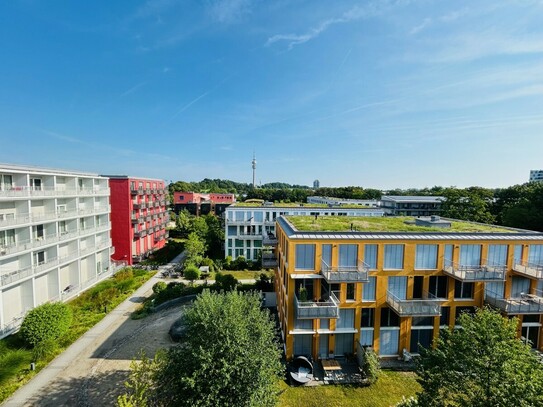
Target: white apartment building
column 536, row 176
column 54, row 237
column 250, row 228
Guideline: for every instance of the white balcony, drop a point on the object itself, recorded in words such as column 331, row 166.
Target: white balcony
column 530, row 270
column 20, row 219
column 345, row 274
column 13, row 276
column 317, row 309
column 484, row 272
column 414, row 308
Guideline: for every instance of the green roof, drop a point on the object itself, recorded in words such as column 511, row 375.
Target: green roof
column 386, row 224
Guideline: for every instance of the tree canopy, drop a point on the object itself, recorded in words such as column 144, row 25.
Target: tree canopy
column 483, row 364
column 229, row 356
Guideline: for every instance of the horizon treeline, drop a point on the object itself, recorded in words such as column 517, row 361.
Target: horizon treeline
column 519, row 206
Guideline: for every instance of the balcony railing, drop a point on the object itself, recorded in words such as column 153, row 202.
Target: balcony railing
column 20, row 219
column 13, row 276
column 526, row 304
column 485, row 272
column 269, row 240
column 414, row 308
column 530, row 270
column 345, row 274
column 269, row 260
column 317, row 309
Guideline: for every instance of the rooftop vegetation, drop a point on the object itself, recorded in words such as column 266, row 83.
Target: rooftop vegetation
column 385, row 224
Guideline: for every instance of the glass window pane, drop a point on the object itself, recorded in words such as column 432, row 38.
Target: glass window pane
column 426, row 256
column 393, row 256
column 370, row 255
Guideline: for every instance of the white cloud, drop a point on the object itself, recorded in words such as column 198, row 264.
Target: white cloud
column 229, row 11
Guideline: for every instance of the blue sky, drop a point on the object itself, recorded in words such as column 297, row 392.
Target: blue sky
column 379, row 94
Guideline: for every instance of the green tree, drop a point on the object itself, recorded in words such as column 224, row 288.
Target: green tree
column 46, row 323
column 483, row 364
column 191, row 273
column 183, row 223
column 195, row 248
column 229, row 356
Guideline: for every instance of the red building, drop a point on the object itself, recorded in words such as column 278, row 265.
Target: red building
column 138, row 217
column 196, row 197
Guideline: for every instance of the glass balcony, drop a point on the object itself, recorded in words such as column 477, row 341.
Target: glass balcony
column 16, row 220
column 485, row 272
column 526, row 304
column 345, row 274
column 530, row 270
column 269, row 260
column 13, row 276
column 414, row 308
column 317, row 309
column 269, row 240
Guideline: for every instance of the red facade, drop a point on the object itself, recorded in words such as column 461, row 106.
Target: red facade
column 195, row 197
column 138, row 217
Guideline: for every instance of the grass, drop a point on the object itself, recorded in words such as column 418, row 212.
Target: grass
column 385, row 224
column 387, row 391
column 88, row 309
column 243, row 275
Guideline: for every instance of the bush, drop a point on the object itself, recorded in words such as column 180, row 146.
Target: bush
column 206, row 261
column 124, row 274
column 226, row 282
column 372, row 367
column 46, row 322
column 45, row 349
column 191, row 273
column 160, row 286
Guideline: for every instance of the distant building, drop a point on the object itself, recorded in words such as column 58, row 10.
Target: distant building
column 536, row 176
column 325, row 200
column 201, row 204
column 316, row 184
column 139, row 214
column 412, row 205
column 54, row 238
column 250, row 228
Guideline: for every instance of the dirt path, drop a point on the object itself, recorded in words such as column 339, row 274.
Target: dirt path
column 92, row 371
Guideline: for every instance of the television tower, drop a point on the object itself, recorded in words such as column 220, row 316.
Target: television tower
column 254, row 169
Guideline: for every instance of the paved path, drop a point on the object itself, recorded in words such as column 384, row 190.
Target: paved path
column 100, row 359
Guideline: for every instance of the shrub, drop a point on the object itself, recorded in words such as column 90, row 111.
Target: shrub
column 46, row 322
column 226, row 282
column 372, row 367
column 206, row 261
column 124, row 274
column 44, row 349
column 191, row 273
column 160, row 286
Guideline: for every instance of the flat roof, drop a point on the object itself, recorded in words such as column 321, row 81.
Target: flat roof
column 389, row 224
column 45, row 170
column 300, row 205
column 405, row 198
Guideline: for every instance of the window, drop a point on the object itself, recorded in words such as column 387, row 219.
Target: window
column 398, row 286
column 389, row 318
column 448, row 256
column 6, row 182
column 36, row 184
column 518, row 253
column 438, row 287
column 421, row 337
column 370, row 255
column 535, row 254
column 368, row 318
column 463, row 290
column 346, row 318
column 368, row 291
column 327, row 255
column 426, row 257
column 393, row 256
column 350, row 292
column 497, row 254
column 38, row 232
column 39, row 258
column 470, row 254
column 519, row 286
column 444, row 318
column 417, row 287
column 62, row 227
column 7, row 238
column 348, row 255
column 305, row 257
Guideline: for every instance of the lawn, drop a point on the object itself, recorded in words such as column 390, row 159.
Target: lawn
column 243, row 275
column 388, row 391
column 88, row 309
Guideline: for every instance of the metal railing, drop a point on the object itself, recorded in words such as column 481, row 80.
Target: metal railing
column 317, row 309
column 269, row 260
column 485, row 272
column 524, row 304
column 355, row 274
column 532, row 270
column 269, row 240
column 20, row 219
column 415, row 307
column 13, row 276
column 28, row 191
